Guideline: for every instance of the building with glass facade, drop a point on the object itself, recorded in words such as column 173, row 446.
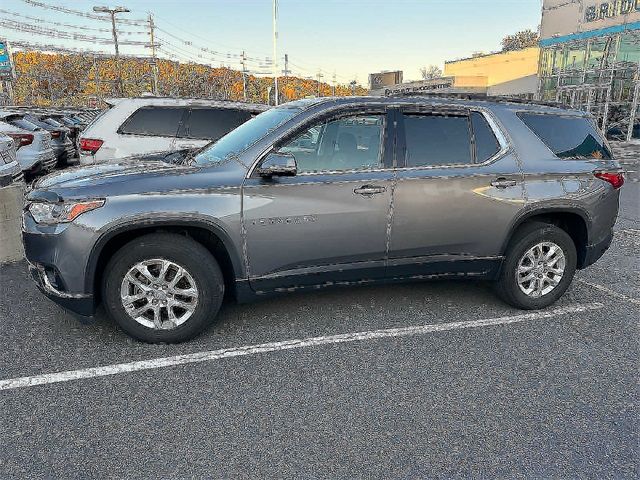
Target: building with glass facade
column 590, row 58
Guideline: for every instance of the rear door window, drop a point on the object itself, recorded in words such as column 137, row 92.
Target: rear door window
column 155, row 121
column 212, row 123
column 437, row 139
column 567, row 136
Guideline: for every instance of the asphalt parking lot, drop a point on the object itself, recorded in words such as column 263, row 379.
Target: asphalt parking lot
column 444, row 381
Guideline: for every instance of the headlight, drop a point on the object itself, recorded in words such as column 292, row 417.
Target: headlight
column 52, row 213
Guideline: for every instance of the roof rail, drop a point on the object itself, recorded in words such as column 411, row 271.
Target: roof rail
column 480, row 96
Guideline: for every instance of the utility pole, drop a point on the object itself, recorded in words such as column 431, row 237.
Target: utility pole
column 319, row 76
column 154, row 61
column 112, row 12
column 243, row 59
column 333, row 85
column 353, row 87
column 275, row 50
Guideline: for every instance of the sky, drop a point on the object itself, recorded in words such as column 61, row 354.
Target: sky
column 350, row 38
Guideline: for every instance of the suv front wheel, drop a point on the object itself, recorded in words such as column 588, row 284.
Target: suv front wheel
column 163, row 288
column 538, row 268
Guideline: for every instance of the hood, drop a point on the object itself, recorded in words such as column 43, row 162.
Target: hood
column 142, row 176
column 101, row 174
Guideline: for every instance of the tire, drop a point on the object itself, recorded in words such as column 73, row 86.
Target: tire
column 199, row 268
column 527, row 237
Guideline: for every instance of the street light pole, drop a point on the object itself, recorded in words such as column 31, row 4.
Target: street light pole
column 275, row 50
column 112, row 12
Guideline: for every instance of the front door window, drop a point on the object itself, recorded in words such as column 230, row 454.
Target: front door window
column 347, row 143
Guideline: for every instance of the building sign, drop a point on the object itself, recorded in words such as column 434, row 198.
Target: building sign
column 610, row 9
column 417, row 87
column 6, row 71
column 383, row 79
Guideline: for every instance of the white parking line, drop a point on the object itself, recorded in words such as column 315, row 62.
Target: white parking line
column 610, row 292
column 634, row 231
column 199, row 357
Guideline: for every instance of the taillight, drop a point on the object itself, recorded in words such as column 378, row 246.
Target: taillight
column 90, row 145
column 21, row 139
column 55, row 133
column 616, row 179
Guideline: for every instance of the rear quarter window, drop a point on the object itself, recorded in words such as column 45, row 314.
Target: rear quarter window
column 154, row 121
column 568, row 136
column 486, row 142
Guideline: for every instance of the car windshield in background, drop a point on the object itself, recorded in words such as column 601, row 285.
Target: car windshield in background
column 24, row 124
column 245, row 135
column 568, row 136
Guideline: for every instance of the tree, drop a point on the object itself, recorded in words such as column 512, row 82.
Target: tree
column 430, row 72
column 520, row 40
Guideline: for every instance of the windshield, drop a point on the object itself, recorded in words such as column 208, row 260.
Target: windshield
column 245, row 135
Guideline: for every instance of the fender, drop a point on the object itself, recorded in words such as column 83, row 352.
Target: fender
column 145, row 221
column 535, row 210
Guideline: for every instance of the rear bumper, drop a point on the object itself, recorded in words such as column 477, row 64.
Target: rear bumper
column 595, row 251
column 81, row 304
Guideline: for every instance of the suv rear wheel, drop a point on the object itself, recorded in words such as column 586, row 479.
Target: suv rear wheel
column 163, row 288
column 538, row 268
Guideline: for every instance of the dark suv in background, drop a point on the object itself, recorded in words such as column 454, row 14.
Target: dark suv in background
column 324, row 192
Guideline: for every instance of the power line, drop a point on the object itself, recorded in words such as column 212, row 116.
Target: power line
column 61, row 49
column 28, row 28
column 68, row 25
column 191, row 50
column 83, row 14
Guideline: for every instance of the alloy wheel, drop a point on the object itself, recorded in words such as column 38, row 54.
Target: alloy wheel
column 540, row 269
column 159, row 294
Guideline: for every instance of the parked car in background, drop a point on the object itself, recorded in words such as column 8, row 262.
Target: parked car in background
column 74, row 125
column 33, row 143
column 10, row 170
column 620, row 133
column 139, row 126
column 60, row 140
column 325, row 192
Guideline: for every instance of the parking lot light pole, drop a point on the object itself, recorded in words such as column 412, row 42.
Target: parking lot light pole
column 112, row 12
column 275, row 50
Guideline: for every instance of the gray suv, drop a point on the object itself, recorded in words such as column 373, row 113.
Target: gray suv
column 325, row 192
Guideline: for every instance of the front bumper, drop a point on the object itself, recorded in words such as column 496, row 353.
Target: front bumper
column 79, row 303
column 57, row 257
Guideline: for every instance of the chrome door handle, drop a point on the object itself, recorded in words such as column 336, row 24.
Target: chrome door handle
column 502, row 182
column 369, row 190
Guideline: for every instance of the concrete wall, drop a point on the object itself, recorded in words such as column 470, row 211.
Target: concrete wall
column 498, row 68
column 519, row 86
column 11, row 201
column 564, row 17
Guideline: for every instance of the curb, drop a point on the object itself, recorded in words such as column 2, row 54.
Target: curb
column 11, row 201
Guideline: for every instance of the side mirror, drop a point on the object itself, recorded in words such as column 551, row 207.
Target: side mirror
column 278, row 164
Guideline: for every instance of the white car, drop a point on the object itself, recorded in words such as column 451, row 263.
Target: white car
column 33, row 144
column 10, row 170
column 134, row 127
